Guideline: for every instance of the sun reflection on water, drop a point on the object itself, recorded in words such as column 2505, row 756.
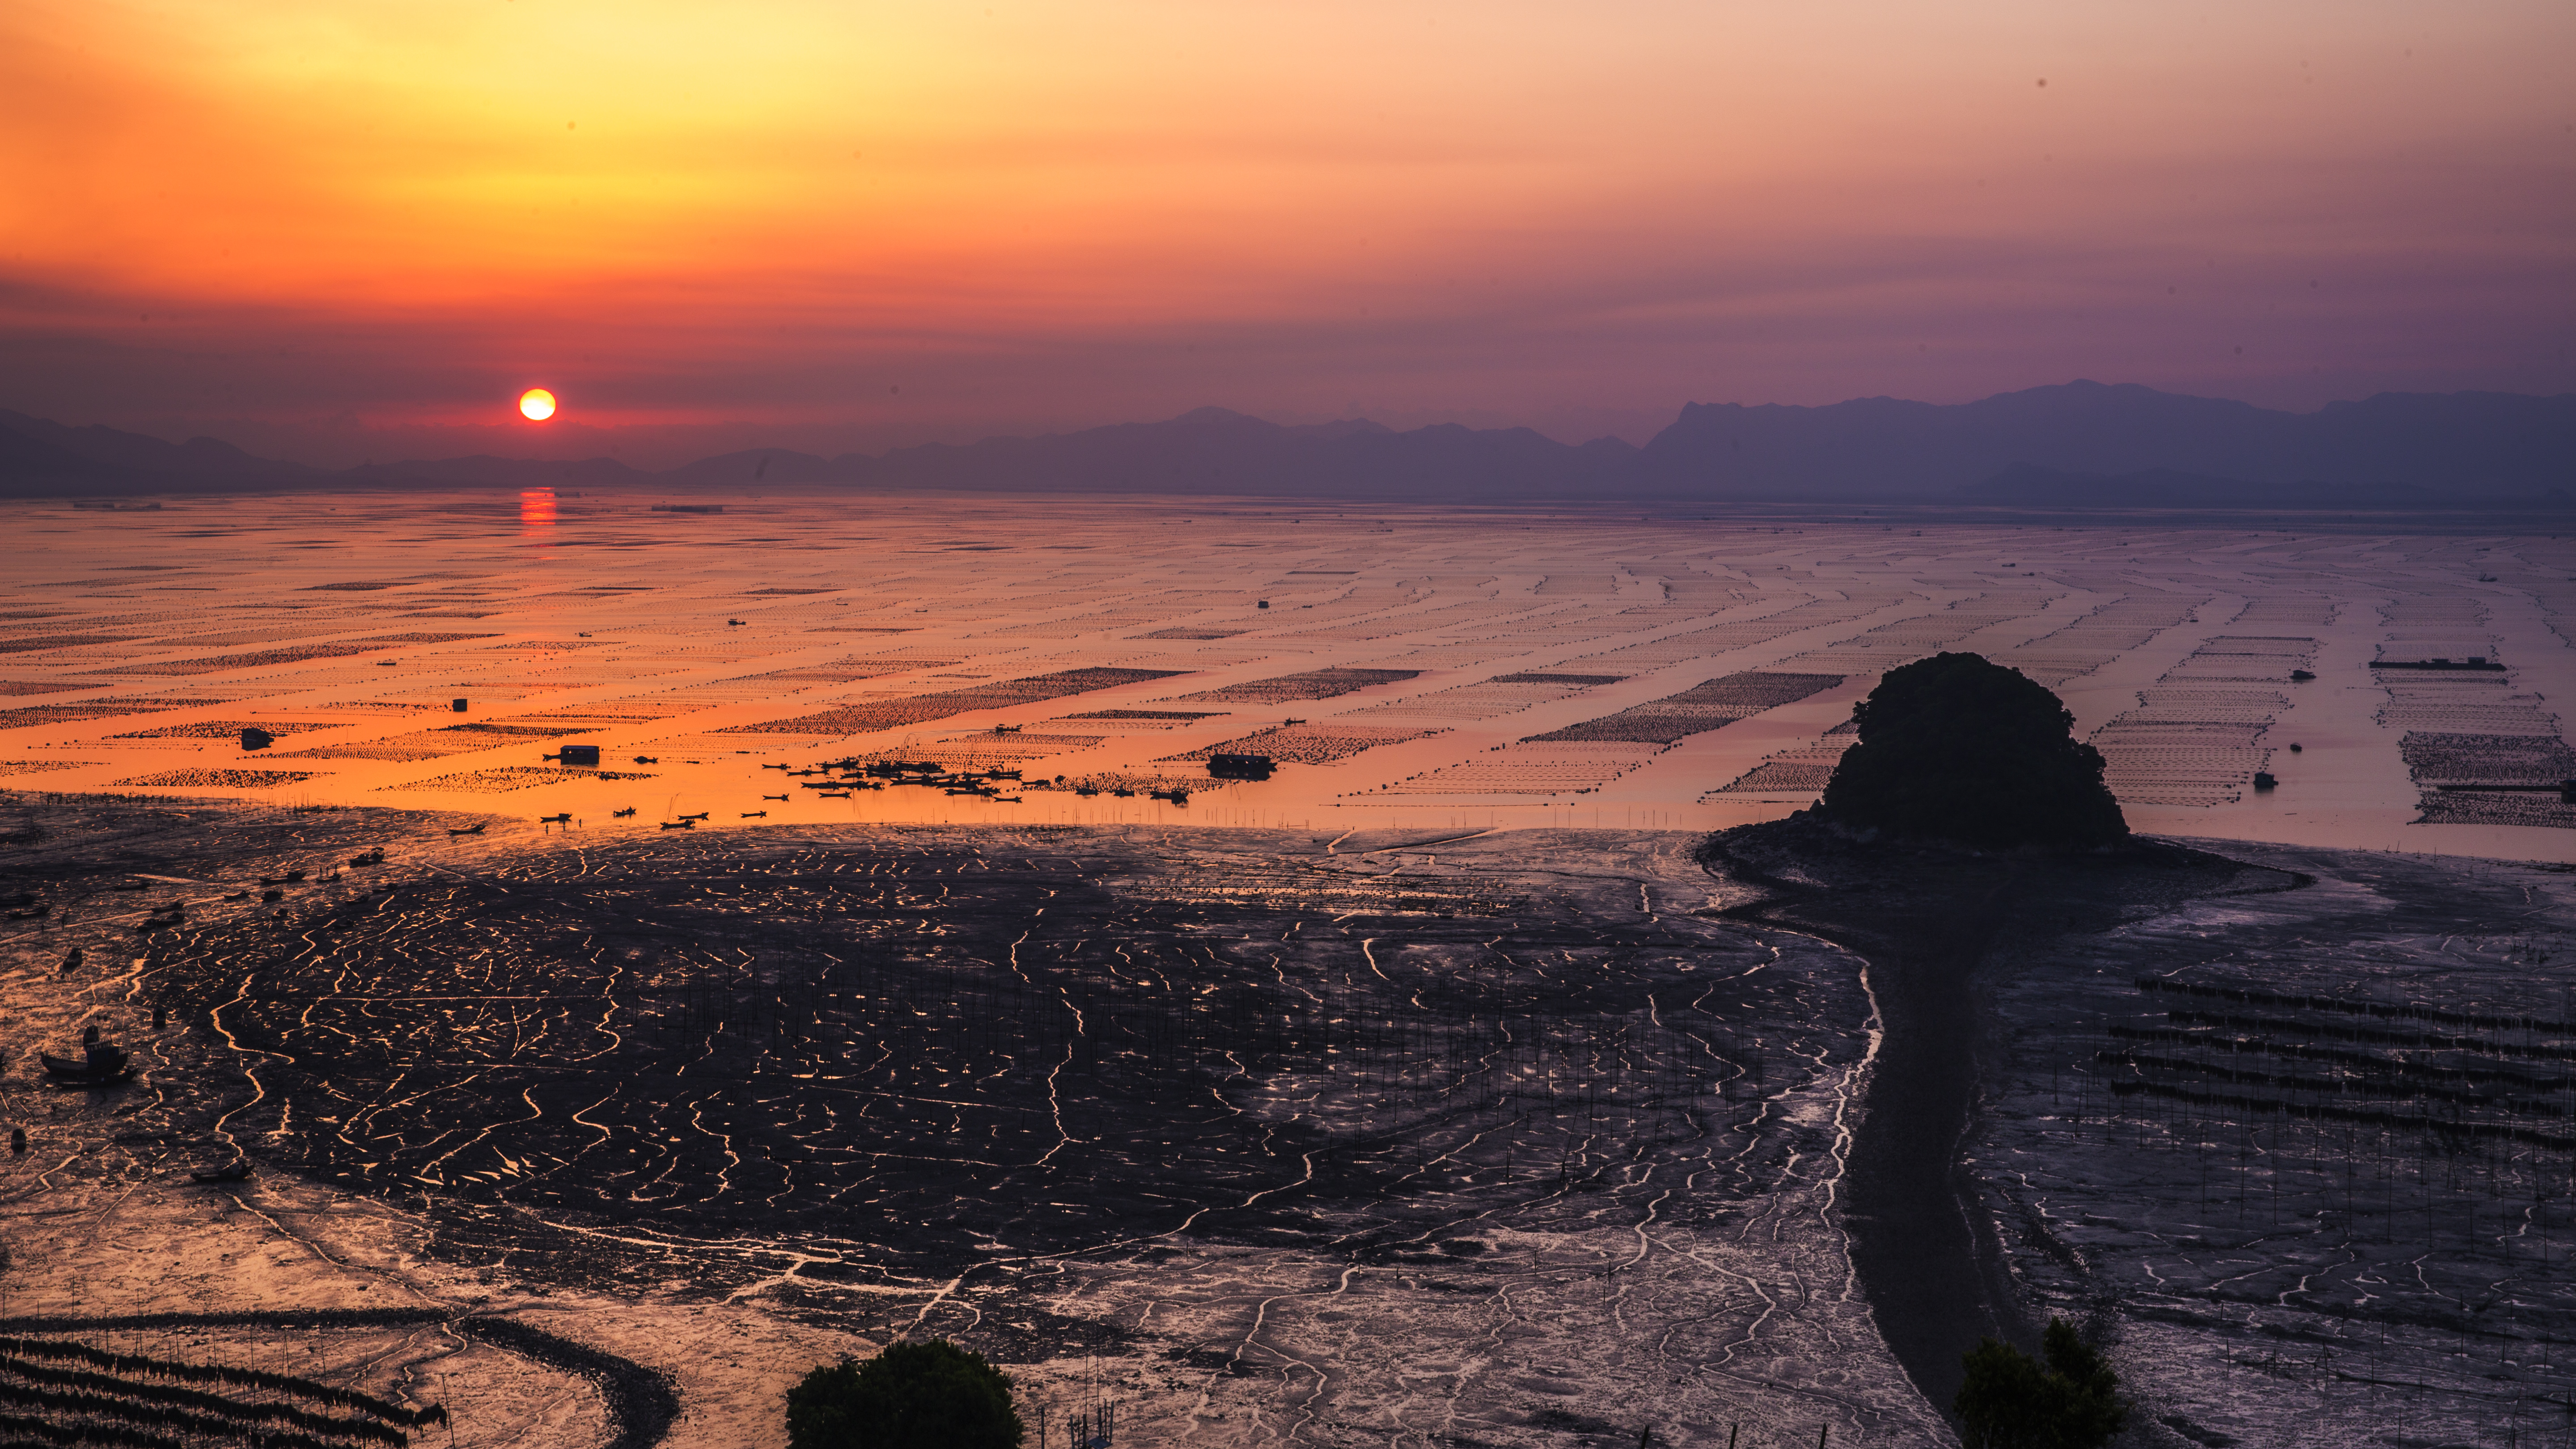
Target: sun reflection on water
column 537, row 508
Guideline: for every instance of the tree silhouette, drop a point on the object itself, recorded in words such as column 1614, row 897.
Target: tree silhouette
column 1957, row 748
column 931, row 1395
column 2010, row 1401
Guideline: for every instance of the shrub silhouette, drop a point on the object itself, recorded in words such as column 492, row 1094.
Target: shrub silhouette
column 2010, row 1402
column 1956, row 748
column 931, row 1395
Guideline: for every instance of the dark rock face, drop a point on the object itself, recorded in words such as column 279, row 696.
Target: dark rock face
column 1959, row 749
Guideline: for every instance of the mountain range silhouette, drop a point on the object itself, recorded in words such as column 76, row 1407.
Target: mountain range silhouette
column 2079, row 444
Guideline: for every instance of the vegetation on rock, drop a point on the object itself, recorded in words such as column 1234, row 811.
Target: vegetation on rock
column 931, row 1395
column 1957, row 748
column 2010, row 1401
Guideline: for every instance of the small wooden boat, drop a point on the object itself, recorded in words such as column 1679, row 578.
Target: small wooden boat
column 648, row 759
column 238, row 1170
column 290, row 878
column 375, row 856
column 621, row 814
column 773, row 797
column 105, row 1063
column 701, row 815
column 467, row 829
column 755, row 815
column 563, row 819
column 679, row 825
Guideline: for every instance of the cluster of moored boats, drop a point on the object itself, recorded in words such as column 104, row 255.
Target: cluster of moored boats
column 843, row 778
column 839, row 779
column 272, row 888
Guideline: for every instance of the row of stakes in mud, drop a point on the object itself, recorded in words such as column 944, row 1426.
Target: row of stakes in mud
column 1092, row 1428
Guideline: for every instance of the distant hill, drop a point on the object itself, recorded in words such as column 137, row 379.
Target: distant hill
column 39, row 458
column 2454, row 445
column 2024, row 486
column 490, row 472
column 1216, row 451
column 2081, row 444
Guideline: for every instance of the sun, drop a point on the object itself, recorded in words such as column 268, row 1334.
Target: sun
column 536, row 404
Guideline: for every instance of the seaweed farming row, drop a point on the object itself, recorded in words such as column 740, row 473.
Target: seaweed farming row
column 2452, row 1151
column 65, row 1392
column 2360, row 1006
column 2451, row 1089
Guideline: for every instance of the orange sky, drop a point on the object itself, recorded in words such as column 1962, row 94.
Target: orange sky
column 363, row 229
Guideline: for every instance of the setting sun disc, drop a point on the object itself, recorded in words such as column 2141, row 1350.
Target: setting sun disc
column 536, row 404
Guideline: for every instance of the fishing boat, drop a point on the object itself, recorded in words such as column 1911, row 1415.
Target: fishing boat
column 104, row 1064
column 238, row 1170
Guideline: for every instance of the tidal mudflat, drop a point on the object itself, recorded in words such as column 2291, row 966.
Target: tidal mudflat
column 1407, row 668
column 1271, row 1136
column 1417, row 1094
column 2312, row 1150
